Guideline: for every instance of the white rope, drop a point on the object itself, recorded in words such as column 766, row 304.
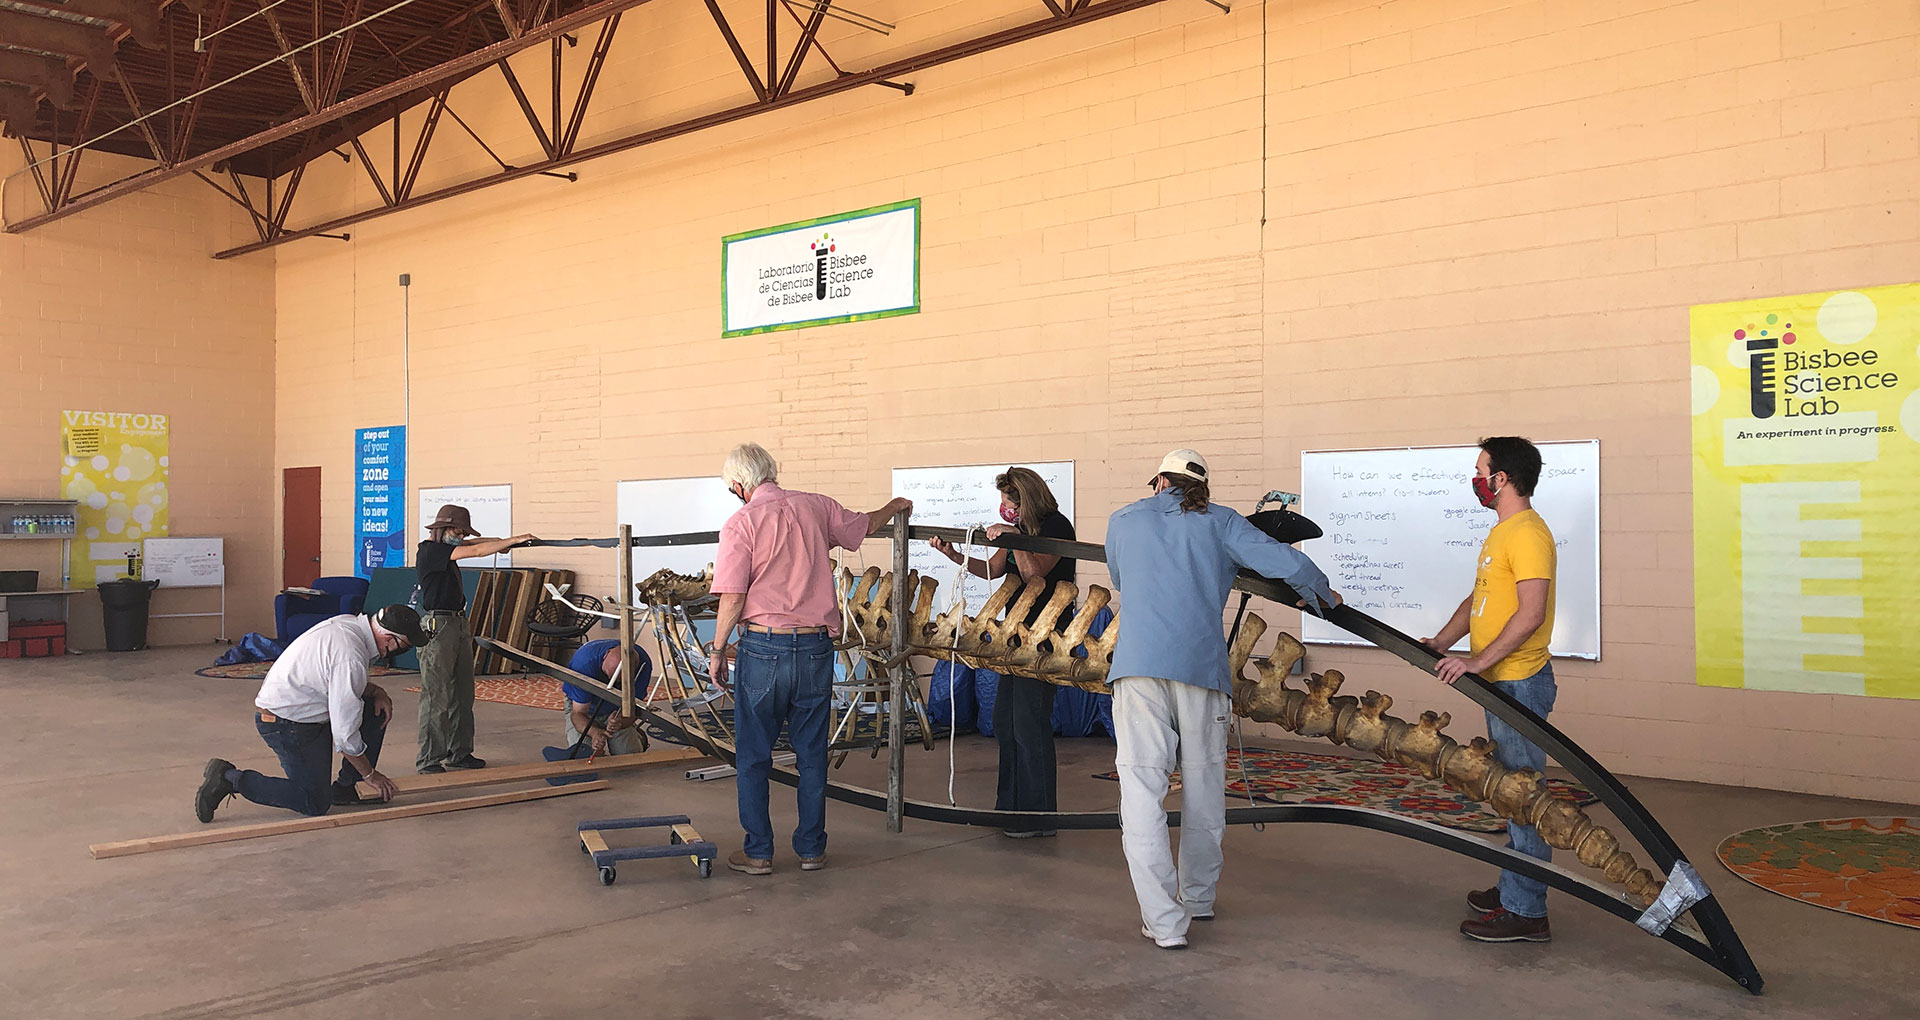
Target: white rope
column 953, row 664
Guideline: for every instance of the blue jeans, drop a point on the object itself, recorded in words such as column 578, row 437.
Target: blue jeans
column 782, row 678
column 1519, row 894
column 306, row 756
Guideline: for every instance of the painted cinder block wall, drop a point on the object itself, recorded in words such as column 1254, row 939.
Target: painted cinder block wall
column 1314, row 225
column 123, row 308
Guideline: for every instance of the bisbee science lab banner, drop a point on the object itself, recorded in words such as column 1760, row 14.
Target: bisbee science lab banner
column 1806, row 492
column 841, row 268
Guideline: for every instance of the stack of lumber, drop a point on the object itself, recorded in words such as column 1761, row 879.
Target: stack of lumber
column 502, row 604
column 410, row 788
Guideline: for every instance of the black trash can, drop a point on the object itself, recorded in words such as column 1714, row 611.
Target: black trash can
column 123, row 610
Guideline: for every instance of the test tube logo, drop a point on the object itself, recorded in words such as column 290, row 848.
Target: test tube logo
column 821, row 249
column 1760, row 355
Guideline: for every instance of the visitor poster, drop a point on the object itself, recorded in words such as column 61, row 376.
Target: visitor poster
column 114, row 464
column 379, row 498
column 1806, row 492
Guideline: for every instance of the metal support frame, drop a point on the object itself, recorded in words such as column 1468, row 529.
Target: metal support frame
column 1714, row 942
column 331, row 113
column 897, row 694
column 627, row 663
column 882, row 75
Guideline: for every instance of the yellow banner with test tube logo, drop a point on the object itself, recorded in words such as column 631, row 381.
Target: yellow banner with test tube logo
column 1806, row 492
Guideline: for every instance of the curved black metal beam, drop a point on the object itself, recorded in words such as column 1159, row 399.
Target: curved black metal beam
column 1728, row 953
column 1334, row 814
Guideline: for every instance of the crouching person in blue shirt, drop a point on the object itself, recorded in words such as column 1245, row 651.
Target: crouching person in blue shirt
column 1172, row 557
column 591, row 714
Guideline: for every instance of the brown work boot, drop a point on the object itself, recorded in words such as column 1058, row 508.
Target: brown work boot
column 739, row 861
column 813, row 863
column 1505, row 926
column 1484, row 901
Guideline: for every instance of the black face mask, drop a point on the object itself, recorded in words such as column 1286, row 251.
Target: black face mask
column 736, row 494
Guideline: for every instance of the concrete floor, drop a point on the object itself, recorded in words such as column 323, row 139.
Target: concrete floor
column 494, row 913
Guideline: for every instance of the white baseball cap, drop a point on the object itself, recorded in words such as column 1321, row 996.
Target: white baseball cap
column 1183, row 462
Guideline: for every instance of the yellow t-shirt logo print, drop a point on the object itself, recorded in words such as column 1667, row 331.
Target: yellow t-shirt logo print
column 1520, row 548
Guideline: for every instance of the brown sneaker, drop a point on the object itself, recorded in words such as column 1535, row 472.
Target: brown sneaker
column 813, row 863
column 739, row 861
column 1484, row 901
column 1506, row 926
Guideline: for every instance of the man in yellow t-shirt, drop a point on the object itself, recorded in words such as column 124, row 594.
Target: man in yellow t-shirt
column 1508, row 619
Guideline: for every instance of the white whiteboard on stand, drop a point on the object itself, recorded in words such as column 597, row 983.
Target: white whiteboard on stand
column 959, row 497
column 184, row 562
column 1403, row 527
column 491, row 507
column 673, row 506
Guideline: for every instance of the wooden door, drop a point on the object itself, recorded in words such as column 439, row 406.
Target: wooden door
column 300, row 514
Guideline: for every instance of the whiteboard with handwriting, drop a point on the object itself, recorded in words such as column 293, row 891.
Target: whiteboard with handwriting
column 1403, row 529
column 958, row 497
column 490, row 507
column 184, row 562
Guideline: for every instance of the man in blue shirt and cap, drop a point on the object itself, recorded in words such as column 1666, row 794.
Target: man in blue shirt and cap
column 1172, row 557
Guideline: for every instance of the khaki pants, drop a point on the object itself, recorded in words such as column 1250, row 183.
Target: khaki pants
column 631, row 740
column 446, row 691
column 1164, row 725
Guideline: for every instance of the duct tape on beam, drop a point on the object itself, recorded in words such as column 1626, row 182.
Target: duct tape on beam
column 1684, row 888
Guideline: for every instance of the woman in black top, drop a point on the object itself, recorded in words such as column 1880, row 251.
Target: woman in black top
column 1023, row 708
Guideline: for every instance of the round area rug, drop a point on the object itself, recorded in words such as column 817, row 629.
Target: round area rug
column 1865, row 866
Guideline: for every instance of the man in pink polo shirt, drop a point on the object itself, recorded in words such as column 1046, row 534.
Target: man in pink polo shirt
column 774, row 573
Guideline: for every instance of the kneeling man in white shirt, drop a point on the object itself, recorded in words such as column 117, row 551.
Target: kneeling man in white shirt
column 315, row 701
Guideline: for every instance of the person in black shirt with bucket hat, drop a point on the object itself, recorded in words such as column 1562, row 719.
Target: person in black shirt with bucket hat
column 446, row 662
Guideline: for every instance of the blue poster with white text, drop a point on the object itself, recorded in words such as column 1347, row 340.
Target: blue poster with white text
column 379, row 498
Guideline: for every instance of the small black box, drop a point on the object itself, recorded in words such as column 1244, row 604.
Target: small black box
column 16, row 581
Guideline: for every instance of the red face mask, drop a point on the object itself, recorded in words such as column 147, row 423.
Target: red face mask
column 1009, row 514
column 1484, row 491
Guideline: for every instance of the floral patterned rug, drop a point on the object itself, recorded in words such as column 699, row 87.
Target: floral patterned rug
column 528, row 690
column 258, row 671
column 1864, row 866
column 1293, row 777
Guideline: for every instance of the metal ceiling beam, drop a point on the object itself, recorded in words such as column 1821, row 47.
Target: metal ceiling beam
column 374, row 97
column 335, row 135
column 45, row 74
column 807, row 33
column 739, row 54
column 72, row 39
column 1090, row 13
column 142, row 17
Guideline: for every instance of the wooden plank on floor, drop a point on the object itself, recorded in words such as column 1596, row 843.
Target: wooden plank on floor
column 149, row 844
column 456, row 779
